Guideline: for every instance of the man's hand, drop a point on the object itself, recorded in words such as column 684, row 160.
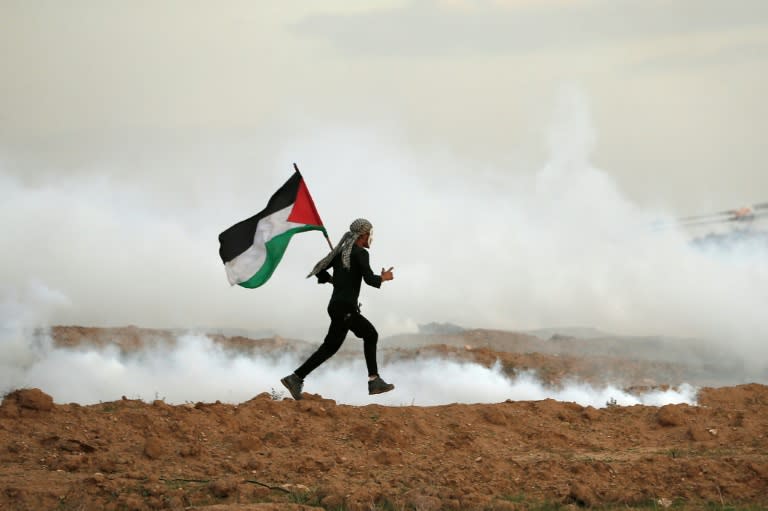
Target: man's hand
column 387, row 274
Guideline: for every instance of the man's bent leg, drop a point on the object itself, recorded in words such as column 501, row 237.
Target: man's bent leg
column 333, row 341
column 363, row 328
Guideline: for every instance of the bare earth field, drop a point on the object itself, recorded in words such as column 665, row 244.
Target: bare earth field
column 270, row 453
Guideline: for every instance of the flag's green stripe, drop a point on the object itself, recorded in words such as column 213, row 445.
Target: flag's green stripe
column 275, row 250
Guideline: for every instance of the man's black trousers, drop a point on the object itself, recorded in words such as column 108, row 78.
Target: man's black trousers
column 344, row 317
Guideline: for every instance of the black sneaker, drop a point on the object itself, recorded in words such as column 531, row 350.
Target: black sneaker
column 294, row 384
column 379, row 386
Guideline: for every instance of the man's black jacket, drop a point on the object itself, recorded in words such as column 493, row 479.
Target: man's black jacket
column 346, row 282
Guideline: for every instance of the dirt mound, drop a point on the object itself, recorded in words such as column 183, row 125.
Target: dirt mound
column 553, row 369
column 314, row 453
column 658, row 358
column 131, row 339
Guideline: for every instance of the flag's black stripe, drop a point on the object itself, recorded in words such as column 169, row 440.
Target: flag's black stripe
column 239, row 238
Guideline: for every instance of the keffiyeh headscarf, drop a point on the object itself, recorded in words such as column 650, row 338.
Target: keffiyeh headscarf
column 356, row 229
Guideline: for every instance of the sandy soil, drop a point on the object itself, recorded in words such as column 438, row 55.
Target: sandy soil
column 283, row 454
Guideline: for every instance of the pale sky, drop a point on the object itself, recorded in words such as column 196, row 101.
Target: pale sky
column 676, row 89
column 132, row 132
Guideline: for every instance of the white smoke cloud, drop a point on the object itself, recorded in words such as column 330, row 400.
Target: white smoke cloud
column 510, row 248
column 22, row 340
column 197, row 369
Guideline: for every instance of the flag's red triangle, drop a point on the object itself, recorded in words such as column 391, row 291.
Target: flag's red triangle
column 304, row 211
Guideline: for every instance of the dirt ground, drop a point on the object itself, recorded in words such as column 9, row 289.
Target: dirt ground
column 269, row 453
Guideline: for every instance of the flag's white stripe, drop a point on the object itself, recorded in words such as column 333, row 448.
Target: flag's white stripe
column 245, row 266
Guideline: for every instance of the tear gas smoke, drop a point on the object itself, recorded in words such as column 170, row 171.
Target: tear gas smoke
column 197, row 369
column 480, row 247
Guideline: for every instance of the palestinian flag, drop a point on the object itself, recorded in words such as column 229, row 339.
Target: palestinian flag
column 252, row 249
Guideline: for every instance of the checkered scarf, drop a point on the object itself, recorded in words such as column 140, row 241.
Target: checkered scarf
column 356, row 229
